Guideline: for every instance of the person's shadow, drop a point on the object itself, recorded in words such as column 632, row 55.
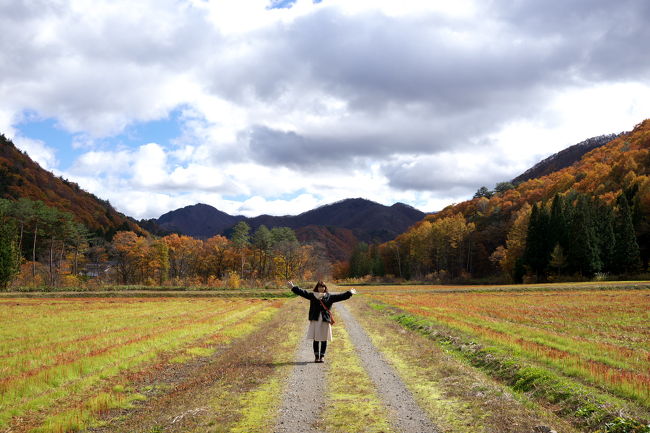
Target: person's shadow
column 281, row 364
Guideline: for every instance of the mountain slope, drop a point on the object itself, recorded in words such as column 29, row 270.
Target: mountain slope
column 336, row 242
column 20, row 177
column 564, row 158
column 602, row 172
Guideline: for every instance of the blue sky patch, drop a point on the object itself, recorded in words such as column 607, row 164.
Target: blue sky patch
column 161, row 131
column 47, row 131
column 286, row 4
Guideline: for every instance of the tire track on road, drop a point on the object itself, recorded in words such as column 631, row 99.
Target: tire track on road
column 405, row 414
column 302, row 403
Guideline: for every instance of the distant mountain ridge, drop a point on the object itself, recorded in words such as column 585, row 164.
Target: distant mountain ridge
column 199, row 220
column 564, row 158
column 338, row 226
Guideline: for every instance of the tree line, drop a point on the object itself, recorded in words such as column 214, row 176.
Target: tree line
column 43, row 246
column 571, row 235
column 31, row 231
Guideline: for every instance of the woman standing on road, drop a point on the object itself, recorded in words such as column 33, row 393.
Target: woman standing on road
column 320, row 317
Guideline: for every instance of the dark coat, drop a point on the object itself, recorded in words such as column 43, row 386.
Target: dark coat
column 315, row 307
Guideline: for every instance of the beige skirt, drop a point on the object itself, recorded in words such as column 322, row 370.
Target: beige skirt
column 319, row 330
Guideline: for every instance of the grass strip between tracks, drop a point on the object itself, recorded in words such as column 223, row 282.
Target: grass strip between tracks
column 352, row 403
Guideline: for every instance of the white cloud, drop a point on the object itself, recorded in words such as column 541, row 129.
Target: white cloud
column 97, row 163
column 421, row 102
column 37, row 150
column 258, row 205
column 149, row 166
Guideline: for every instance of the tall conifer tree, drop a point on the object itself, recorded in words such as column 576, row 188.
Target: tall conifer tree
column 558, row 224
column 626, row 250
column 583, row 252
column 538, row 248
column 9, row 259
column 604, row 231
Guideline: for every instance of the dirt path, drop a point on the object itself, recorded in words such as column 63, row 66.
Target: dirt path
column 305, row 390
column 405, row 414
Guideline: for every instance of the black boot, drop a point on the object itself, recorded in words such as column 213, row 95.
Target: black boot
column 323, row 348
column 316, row 353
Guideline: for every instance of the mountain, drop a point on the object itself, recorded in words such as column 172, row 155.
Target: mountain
column 368, row 221
column 21, row 177
column 564, row 158
column 338, row 226
column 621, row 164
column 604, row 177
column 199, row 220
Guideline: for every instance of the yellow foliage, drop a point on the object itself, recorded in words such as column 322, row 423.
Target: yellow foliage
column 70, row 281
column 234, row 281
column 515, row 241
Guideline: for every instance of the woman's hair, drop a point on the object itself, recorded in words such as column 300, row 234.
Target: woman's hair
column 320, row 284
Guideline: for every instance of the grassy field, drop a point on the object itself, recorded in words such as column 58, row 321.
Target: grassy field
column 575, row 355
column 583, row 350
column 459, row 397
column 66, row 361
column 600, row 336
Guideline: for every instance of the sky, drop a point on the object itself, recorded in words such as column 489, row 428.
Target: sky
column 280, row 106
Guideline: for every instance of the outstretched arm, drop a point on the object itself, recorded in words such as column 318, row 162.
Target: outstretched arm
column 298, row 291
column 343, row 296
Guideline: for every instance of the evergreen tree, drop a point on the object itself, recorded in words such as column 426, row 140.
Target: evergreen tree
column 283, row 234
column 263, row 242
column 538, row 248
column 240, row 237
column 377, row 262
column 558, row 259
column 240, row 234
column 9, row 259
column 360, row 263
column 483, row 192
column 502, row 187
column 626, row 249
column 262, row 238
column 604, row 231
column 558, row 223
column 582, row 253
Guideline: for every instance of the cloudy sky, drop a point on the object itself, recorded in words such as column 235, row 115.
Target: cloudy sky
column 267, row 106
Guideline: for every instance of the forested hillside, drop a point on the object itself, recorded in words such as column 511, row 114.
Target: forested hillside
column 586, row 219
column 20, row 177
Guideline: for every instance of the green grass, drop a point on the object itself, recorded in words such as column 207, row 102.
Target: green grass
column 71, row 353
column 352, row 403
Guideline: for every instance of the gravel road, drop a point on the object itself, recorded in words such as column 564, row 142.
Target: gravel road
column 405, row 414
column 305, row 392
